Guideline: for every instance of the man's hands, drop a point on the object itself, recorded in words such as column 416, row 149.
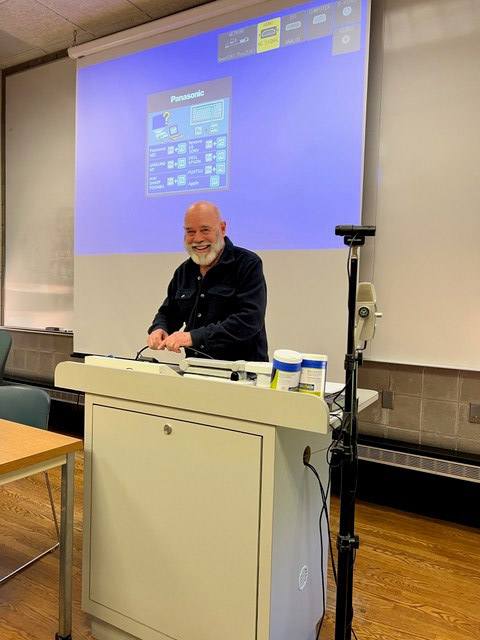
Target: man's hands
column 159, row 339
column 156, row 338
column 177, row 340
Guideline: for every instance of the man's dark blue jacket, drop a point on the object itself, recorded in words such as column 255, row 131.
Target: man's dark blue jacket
column 224, row 311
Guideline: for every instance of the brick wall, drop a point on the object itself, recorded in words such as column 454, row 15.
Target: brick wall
column 34, row 355
column 431, row 406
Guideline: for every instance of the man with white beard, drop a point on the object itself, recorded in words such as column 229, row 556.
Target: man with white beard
column 219, row 294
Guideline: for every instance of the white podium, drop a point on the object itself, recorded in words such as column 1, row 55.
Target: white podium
column 200, row 518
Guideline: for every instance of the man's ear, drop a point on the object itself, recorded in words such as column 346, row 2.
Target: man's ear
column 223, row 227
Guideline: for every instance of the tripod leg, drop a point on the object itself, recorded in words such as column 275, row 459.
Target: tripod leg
column 352, row 551
column 346, row 543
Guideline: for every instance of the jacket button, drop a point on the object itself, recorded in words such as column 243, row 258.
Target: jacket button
column 199, row 315
column 202, row 295
column 199, row 277
column 202, row 346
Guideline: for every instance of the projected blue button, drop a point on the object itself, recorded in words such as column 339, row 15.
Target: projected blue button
column 182, row 148
column 220, row 168
column 181, row 181
column 346, row 39
column 181, row 163
column 221, row 142
column 319, row 22
column 221, row 156
column 215, row 181
column 347, row 12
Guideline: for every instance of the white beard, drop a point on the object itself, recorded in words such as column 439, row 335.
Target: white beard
column 207, row 258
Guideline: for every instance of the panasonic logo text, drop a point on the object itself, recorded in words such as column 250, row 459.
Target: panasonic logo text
column 187, row 96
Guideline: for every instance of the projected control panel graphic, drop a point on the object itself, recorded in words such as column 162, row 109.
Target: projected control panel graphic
column 341, row 20
column 188, row 138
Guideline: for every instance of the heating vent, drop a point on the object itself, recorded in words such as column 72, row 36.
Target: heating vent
column 414, row 462
column 64, row 396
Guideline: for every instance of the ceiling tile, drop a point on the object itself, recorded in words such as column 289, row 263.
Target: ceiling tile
column 25, row 56
column 65, row 44
column 33, row 22
column 10, row 46
column 98, row 16
column 157, row 9
column 121, row 26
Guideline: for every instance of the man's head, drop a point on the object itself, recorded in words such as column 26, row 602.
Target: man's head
column 204, row 232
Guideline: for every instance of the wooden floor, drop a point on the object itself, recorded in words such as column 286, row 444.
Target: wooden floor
column 415, row 579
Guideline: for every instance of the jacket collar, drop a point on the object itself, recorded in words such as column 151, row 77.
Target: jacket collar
column 228, row 254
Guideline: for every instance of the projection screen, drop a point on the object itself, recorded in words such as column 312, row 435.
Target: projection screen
column 260, row 110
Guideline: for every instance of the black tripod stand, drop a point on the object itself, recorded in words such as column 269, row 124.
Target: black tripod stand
column 344, row 453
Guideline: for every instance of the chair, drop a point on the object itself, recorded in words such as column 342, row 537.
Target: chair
column 29, row 406
column 5, row 345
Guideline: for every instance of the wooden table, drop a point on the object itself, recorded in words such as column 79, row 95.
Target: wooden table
column 25, row 451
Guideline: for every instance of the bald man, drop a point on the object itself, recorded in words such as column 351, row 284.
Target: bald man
column 219, row 294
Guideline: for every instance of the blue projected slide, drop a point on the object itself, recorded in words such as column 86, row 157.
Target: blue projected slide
column 188, row 134
column 265, row 118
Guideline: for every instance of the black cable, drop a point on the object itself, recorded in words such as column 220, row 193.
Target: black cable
column 350, row 254
column 140, row 352
column 340, row 408
column 200, row 352
column 327, row 518
column 322, row 571
column 336, row 394
column 324, row 510
column 191, row 349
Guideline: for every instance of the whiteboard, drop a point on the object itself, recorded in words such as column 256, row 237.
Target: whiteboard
column 422, row 185
column 40, row 154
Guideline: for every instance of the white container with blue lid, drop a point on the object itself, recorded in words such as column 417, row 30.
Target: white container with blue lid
column 313, row 375
column 286, row 370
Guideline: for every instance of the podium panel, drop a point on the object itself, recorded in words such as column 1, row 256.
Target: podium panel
column 175, row 524
column 200, row 517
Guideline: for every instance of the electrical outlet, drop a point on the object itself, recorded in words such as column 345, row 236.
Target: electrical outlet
column 387, row 399
column 474, row 413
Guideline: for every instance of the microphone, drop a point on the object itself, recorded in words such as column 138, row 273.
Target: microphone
column 366, row 313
